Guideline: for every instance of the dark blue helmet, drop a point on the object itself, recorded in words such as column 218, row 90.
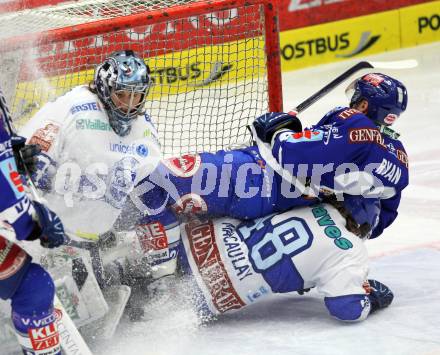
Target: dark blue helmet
column 122, row 83
column 387, row 97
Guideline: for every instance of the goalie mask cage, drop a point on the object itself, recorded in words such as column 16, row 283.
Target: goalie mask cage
column 215, row 64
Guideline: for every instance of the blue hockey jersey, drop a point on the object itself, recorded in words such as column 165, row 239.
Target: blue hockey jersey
column 15, row 207
column 15, row 210
column 234, row 264
column 348, row 153
column 344, row 153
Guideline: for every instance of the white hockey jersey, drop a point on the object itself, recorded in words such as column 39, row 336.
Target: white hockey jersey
column 238, row 263
column 90, row 168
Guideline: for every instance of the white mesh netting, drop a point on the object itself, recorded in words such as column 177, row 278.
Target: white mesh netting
column 75, row 13
column 209, row 69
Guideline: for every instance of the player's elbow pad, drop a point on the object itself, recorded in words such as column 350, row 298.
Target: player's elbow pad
column 350, row 308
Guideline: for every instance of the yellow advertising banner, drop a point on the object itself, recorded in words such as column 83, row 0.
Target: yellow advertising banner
column 191, row 69
column 420, row 24
column 356, row 37
column 172, row 73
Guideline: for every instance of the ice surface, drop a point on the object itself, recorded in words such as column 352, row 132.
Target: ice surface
column 406, row 257
column 300, row 324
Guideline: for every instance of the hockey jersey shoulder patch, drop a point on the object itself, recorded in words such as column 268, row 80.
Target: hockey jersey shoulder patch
column 45, row 136
column 184, row 166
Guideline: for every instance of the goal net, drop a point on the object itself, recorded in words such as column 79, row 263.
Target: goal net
column 215, row 64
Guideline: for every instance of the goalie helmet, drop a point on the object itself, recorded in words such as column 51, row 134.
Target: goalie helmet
column 122, row 83
column 387, row 97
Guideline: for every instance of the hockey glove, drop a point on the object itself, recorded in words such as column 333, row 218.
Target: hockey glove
column 25, row 154
column 380, row 295
column 267, row 124
column 51, row 230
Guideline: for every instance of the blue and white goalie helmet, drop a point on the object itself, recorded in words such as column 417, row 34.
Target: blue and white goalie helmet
column 387, row 97
column 122, row 83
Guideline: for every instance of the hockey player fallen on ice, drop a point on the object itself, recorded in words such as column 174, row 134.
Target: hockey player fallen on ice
column 350, row 152
column 230, row 264
column 359, row 134
column 94, row 141
column 26, row 284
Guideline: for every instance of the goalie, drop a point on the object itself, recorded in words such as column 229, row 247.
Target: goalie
column 94, row 141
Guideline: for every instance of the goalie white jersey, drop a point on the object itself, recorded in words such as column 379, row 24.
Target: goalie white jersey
column 237, row 263
column 87, row 169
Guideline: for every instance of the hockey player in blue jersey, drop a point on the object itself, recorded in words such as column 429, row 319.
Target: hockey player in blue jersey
column 351, row 152
column 28, row 286
column 234, row 264
column 358, row 134
column 230, row 264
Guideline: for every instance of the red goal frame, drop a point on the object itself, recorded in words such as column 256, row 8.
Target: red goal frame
column 271, row 34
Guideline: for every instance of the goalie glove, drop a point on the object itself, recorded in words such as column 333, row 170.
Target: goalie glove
column 380, row 295
column 267, row 124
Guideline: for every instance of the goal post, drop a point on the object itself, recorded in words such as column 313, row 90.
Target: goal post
column 215, row 64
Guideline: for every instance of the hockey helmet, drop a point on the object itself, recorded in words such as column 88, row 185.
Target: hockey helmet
column 122, row 83
column 387, row 97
